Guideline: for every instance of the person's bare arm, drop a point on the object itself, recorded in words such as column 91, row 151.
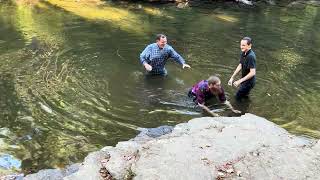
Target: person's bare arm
column 234, row 74
column 248, row 76
column 227, row 103
column 205, row 108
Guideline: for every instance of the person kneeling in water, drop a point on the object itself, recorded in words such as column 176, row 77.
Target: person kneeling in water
column 207, row 89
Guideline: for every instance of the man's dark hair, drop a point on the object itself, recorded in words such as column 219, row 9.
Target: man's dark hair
column 159, row 36
column 248, row 39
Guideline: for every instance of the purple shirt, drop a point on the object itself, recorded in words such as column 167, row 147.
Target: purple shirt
column 202, row 92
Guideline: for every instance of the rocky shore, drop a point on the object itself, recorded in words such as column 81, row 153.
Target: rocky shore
column 246, row 147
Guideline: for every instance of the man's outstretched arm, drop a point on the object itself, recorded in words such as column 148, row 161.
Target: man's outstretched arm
column 227, row 103
column 205, row 108
column 178, row 58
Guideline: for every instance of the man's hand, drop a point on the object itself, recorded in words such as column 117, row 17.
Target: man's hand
column 230, row 81
column 185, row 66
column 237, row 83
column 147, row 66
column 214, row 114
column 236, row 111
column 230, row 106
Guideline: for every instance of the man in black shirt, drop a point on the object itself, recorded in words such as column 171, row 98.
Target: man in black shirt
column 247, row 66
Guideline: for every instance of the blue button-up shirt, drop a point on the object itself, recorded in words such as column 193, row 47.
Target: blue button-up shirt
column 158, row 57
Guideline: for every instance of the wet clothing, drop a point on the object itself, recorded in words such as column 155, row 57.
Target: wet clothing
column 247, row 61
column 244, row 90
column 157, row 58
column 200, row 92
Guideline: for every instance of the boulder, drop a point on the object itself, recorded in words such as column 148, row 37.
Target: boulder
column 246, row 147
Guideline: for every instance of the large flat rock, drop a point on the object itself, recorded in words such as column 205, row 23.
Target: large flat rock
column 246, row 147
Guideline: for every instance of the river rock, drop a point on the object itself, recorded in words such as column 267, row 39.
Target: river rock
column 246, row 147
column 53, row 174
column 247, row 2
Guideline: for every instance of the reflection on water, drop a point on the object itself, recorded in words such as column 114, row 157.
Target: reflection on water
column 71, row 82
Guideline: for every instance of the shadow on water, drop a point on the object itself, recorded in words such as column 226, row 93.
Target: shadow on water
column 11, row 108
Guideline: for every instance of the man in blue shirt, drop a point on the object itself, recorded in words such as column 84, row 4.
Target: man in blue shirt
column 247, row 65
column 155, row 56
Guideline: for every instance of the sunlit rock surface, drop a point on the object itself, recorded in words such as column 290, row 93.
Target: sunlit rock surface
column 246, row 147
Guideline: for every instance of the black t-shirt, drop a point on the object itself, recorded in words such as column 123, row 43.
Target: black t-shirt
column 248, row 61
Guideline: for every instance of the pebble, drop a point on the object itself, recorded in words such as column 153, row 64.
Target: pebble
column 230, row 170
column 220, row 174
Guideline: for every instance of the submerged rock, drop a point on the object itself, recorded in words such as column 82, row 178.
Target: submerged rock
column 53, row 174
column 155, row 132
column 247, row 2
column 45, row 108
column 9, row 162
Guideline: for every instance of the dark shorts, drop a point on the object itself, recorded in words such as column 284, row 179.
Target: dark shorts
column 244, row 89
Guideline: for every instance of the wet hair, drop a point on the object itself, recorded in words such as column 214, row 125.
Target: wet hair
column 213, row 80
column 248, row 39
column 159, row 36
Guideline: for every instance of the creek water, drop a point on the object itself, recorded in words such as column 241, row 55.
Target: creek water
column 71, row 82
